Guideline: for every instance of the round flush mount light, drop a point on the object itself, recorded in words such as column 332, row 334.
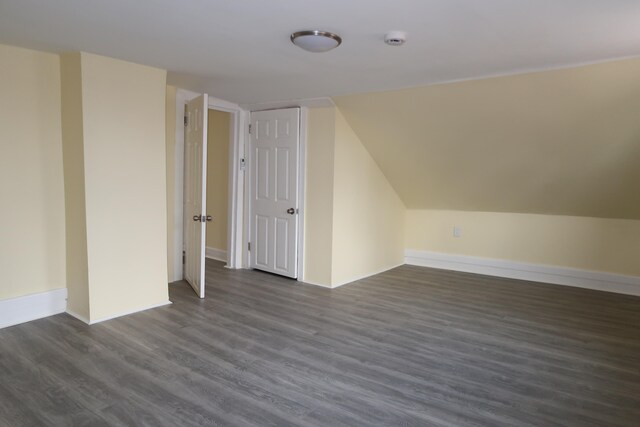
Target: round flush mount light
column 316, row 41
column 395, row 38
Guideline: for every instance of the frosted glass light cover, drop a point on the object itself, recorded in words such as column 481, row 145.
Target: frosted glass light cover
column 316, row 41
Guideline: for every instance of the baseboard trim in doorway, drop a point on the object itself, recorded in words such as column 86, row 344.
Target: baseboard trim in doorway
column 14, row 311
column 587, row 279
column 124, row 313
column 217, row 254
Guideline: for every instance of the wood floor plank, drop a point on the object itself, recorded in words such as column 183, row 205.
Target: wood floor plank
column 411, row 346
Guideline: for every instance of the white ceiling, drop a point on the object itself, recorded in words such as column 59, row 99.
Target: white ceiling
column 239, row 50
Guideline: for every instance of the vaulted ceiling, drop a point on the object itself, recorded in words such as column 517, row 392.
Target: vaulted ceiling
column 555, row 142
column 240, row 50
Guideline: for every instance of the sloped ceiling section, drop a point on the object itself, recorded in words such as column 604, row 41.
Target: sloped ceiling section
column 564, row 142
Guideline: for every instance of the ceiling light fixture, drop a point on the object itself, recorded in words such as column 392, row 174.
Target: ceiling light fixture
column 316, row 41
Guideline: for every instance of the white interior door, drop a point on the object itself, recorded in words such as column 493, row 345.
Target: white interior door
column 195, row 190
column 275, row 140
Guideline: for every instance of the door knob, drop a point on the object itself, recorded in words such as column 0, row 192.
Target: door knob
column 209, row 218
column 291, row 211
column 196, row 218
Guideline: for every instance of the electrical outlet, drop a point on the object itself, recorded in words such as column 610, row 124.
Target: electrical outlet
column 457, row 232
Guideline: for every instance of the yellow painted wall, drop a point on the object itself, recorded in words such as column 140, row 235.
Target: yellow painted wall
column 558, row 142
column 368, row 215
column 318, row 220
column 354, row 220
column 538, row 168
column 597, row 244
column 74, row 188
column 170, row 139
column 32, row 211
column 218, row 133
column 125, row 183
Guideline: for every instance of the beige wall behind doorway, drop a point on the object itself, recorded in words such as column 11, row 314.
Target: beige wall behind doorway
column 218, row 134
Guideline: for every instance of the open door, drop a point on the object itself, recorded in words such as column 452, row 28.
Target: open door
column 275, row 140
column 195, row 190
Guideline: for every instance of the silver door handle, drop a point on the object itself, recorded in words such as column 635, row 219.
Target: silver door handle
column 209, row 218
column 197, row 218
column 291, row 211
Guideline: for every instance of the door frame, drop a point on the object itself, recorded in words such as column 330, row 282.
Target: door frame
column 238, row 232
column 302, row 167
column 235, row 205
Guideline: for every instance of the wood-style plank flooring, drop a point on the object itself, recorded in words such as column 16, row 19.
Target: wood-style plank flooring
column 412, row 346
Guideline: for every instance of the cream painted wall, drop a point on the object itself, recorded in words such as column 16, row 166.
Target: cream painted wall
column 170, row 139
column 597, row 244
column 32, row 212
column 354, row 220
column 125, row 182
column 368, row 215
column 218, row 133
column 560, row 142
column 318, row 221
column 74, row 189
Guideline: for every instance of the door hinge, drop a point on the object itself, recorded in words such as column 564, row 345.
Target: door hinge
column 249, row 129
column 186, row 121
column 249, row 246
column 184, row 257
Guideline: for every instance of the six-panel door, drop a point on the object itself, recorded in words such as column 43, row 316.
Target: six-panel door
column 274, row 190
column 195, row 191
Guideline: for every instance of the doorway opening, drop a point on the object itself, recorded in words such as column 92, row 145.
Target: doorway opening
column 187, row 253
column 219, row 144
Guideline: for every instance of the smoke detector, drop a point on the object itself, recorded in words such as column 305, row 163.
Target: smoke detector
column 395, row 38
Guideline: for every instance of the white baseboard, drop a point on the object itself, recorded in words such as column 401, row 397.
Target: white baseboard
column 597, row 280
column 31, row 307
column 322, row 285
column 124, row 313
column 217, row 254
column 364, row 276
column 78, row 316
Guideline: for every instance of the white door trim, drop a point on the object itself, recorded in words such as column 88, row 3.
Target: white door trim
column 246, row 221
column 236, row 180
column 302, row 167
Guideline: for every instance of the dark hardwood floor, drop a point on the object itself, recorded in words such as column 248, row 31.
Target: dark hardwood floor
column 412, row 346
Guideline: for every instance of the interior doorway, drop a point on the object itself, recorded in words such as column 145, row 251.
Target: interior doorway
column 182, row 218
column 219, row 144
